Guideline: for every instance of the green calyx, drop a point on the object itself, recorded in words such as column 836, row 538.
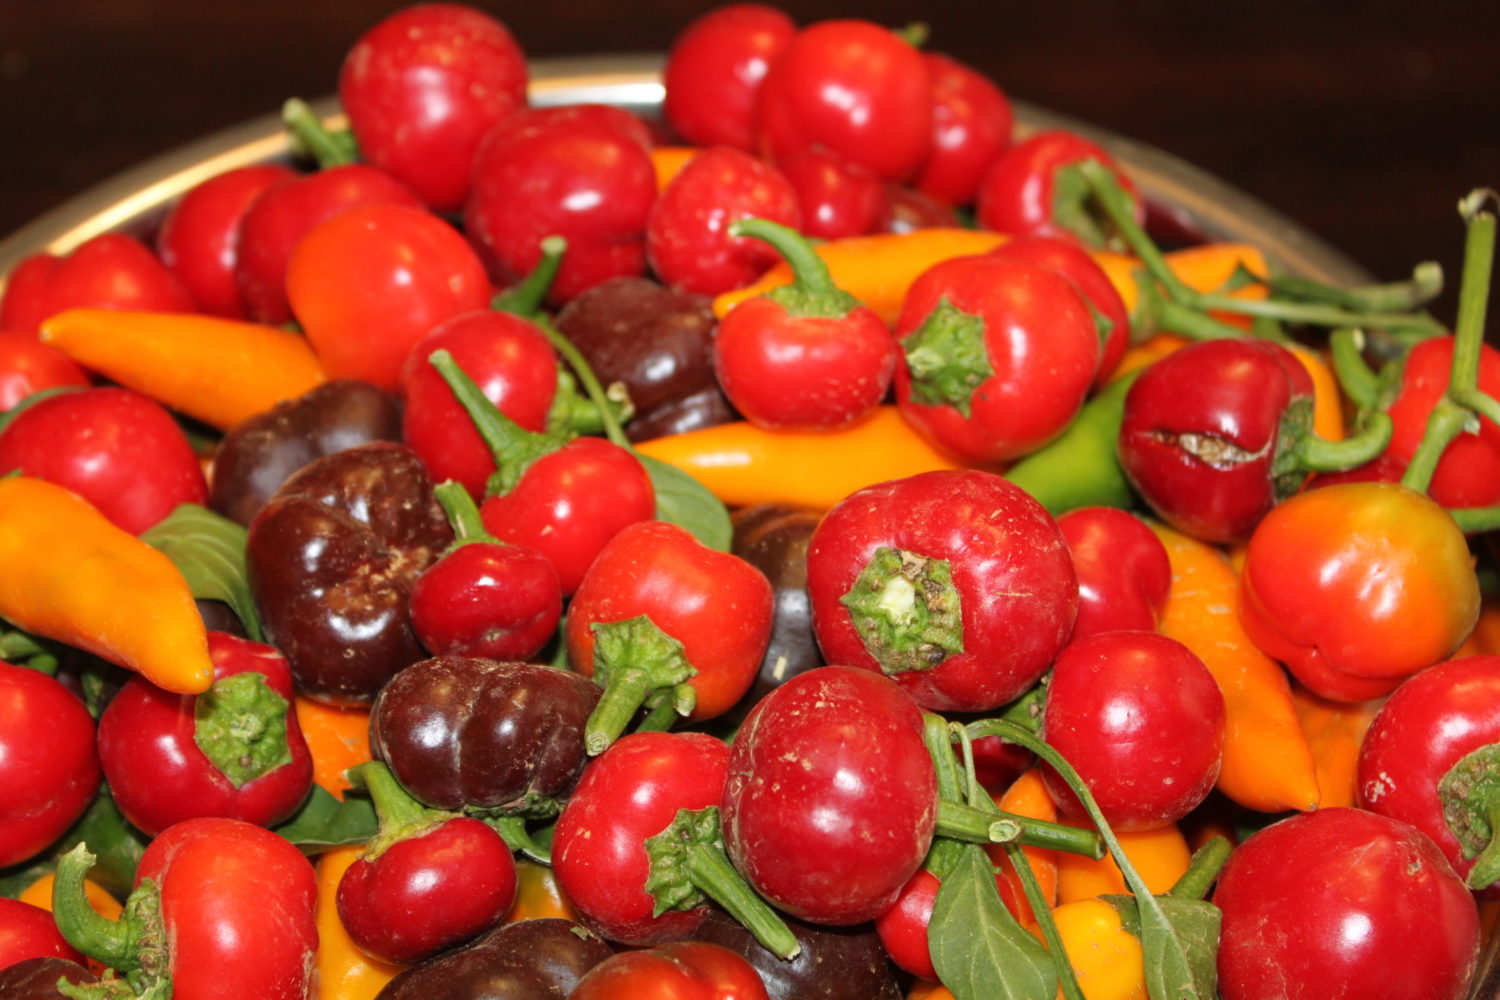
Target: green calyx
column 1075, row 209
column 811, row 292
column 906, row 610
column 635, row 661
column 240, row 725
column 688, row 867
column 1470, row 797
column 135, row 946
column 401, row 816
column 947, row 357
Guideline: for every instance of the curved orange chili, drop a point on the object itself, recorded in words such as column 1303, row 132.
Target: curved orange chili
column 1160, row 856
column 743, row 464
column 668, row 162
column 1027, row 796
column 219, row 371
column 337, row 737
column 1334, row 733
column 1268, row 765
column 344, row 971
column 68, row 574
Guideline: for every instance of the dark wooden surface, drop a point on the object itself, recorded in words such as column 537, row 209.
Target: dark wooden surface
column 1363, row 121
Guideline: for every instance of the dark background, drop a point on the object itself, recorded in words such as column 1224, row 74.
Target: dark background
column 1364, row 121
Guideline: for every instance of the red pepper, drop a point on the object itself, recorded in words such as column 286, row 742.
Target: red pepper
column 107, row 272
column 49, row 769
column 222, row 910
column 683, row 970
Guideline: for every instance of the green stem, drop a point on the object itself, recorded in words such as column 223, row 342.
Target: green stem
column 112, row 942
column 1476, row 520
column 1204, row 867
column 514, row 447
column 811, row 291
column 945, row 851
column 1360, row 384
column 526, row 296
column 1313, row 314
column 1116, row 204
column 1066, row 977
column 661, row 712
column 1316, row 454
column 308, row 133
column 463, row 515
column 1026, row 710
column 994, row 826
column 1424, row 285
column 591, row 385
column 512, row 830
column 1185, row 321
column 401, row 816
column 711, row 871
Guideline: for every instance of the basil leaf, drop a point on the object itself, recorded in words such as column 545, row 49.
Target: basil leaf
column 687, row 503
column 209, row 550
column 1180, row 941
column 324, row 821
column 979, row 950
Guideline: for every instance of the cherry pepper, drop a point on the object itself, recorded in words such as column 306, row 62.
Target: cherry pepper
column 484, row 597
column 235, row 750
column 221, row 910
column 663, row 621
column 427, row 882
column 1216, row 433
column 564, row 498
column 806, row 355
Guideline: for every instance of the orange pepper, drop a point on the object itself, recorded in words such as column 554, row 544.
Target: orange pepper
column 1334, row 732
column 1027, row 796
column 1267, row 765
column 344, row 971
column 338, row 739
column 219, row 371
column 1148, row 351
column 1160, row 856
column 743, row 464
column 926, row 989
column 1107, row 959
column 668, row 162
column 538, row 894
column 39, row 893
column 68, row 574
column 1485, row 639
column 877, row 270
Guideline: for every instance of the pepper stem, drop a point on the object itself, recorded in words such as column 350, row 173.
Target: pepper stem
column 945, row 851
column 634, row 659
column 463, row 515
column 401, row 816
column 111, row 942
column 591, row 385
column 1360, row 384
column 526, row 296
column 514, row 447
column 1206, row 863
column 995, row 826
column 309, row 135
column 811, row 291
column 712, row 872
column 1315, row 454
column 1067, row 978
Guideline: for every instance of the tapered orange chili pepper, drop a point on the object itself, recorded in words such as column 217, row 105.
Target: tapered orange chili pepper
column 742, row 464
column 68, row 574
column 1334, row 732
column 1160, row 856
column 1268, row 765
column 219, row 371
column 668, row 161
column 1027, row 796
column 344, row 971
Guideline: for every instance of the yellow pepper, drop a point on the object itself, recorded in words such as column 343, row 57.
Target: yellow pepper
column 68, row 574
column 344, row 971
column 538, row 894
column 743, row 464
column 39, row 893
column 1160, row 856
column 219, row 371
column 1106, row 958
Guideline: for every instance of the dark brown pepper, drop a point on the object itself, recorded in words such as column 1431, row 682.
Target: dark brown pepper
column 539, row 959
column 835, row 963
column 36, row 978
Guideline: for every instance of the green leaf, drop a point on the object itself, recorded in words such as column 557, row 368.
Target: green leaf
column 324, row 821
column 1180, row 941
column 14, row 880
column 209, row 550
column 979, row 950
column 687, row 503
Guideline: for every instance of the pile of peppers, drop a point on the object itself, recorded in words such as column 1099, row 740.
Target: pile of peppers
column 772, row 551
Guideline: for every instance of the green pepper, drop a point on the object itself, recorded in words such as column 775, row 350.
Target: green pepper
column 1078, row 468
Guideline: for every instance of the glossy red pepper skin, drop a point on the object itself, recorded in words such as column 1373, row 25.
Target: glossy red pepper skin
column 1201, row 431
column 28, row 366
column 1427, row 725
column 200, row 237
column 110, row 271
column 853, row 87
column 514, row 366
column 158, row 773
column 1123, row 570
column 281, row 215
column 116, row 448
column 423, row 87
column 716, row 604
column 574, row 172
column 835, row 198
column 682, row 970
column 501, row 602
column 570, row 503
column 629, row 793
column 971, row 125
column 27, row 931
column 713, row 68
column 49, row 766
column 1017, row 194
column 687, row 232
column 428, row 892
column 237, row 904
column 994, row 539
column 1039, row 344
